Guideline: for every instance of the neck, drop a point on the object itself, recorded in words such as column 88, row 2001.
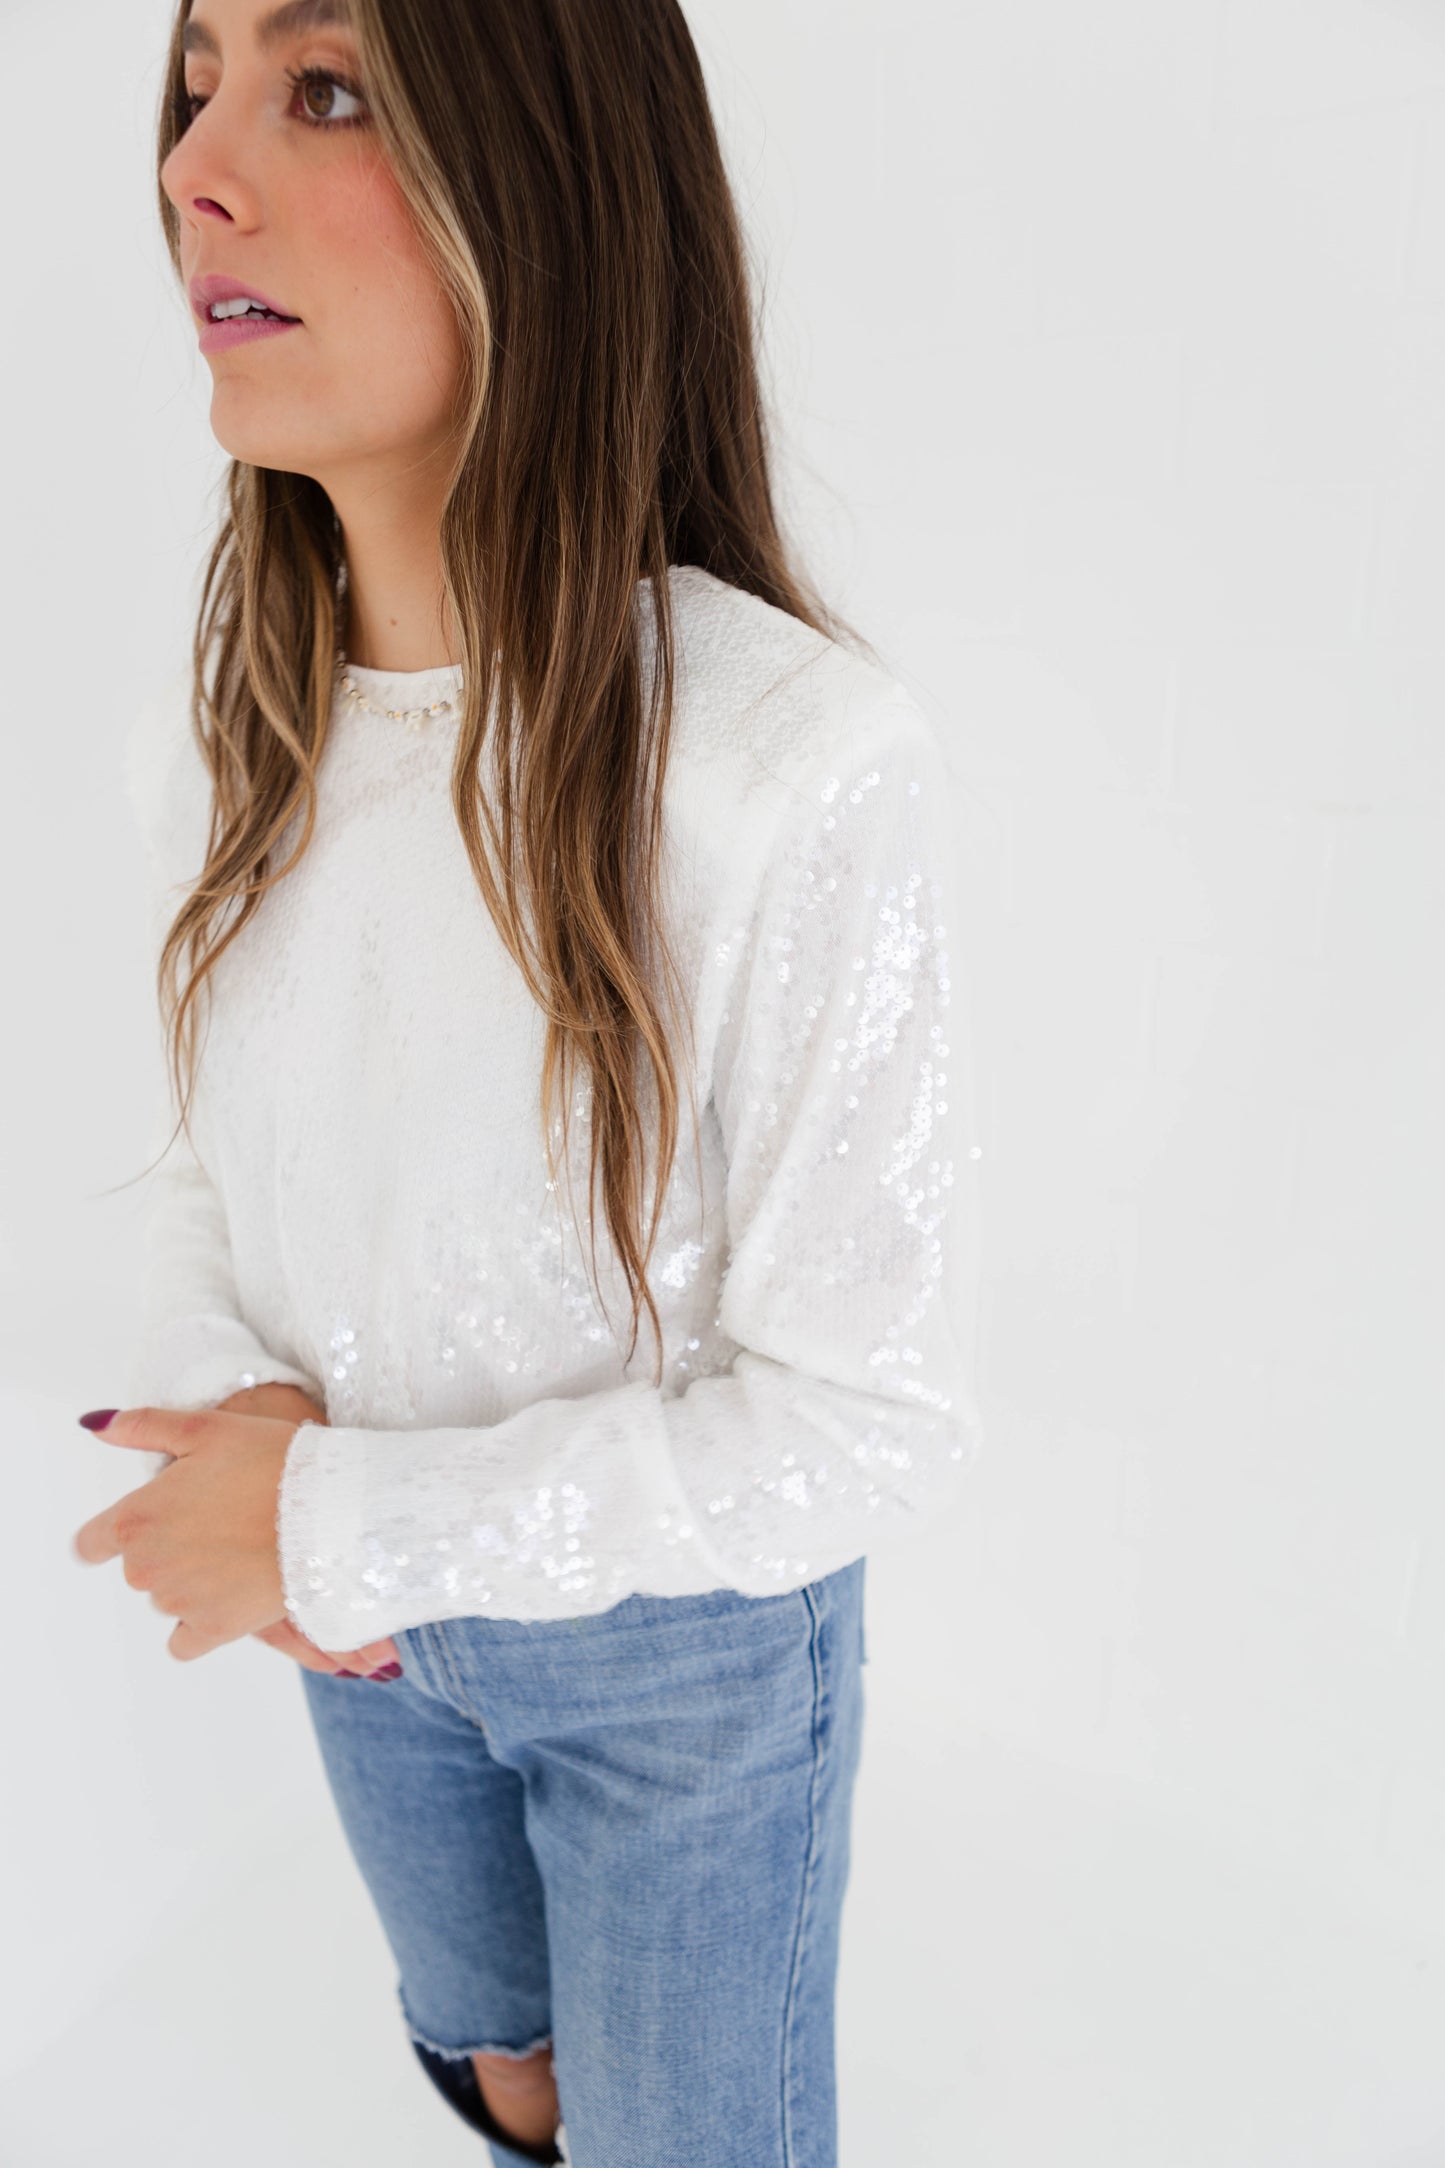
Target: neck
column 394, row 613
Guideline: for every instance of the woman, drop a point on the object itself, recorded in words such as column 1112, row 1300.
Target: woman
column 523, row 815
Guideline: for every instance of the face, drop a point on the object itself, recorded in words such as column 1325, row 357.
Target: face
column 280, row 184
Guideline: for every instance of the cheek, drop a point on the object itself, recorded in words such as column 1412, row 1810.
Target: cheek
column 383, row 289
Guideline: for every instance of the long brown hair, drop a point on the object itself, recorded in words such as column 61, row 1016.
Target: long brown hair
column 560, row 161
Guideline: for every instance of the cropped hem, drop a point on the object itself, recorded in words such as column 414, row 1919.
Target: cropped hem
column 478, row 2047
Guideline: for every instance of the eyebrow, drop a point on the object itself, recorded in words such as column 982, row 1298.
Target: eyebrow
column 273, row 29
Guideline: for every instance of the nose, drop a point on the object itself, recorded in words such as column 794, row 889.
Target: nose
column 203, row 174
column 181, row 179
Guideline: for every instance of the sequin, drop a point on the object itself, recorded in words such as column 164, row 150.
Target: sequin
column 376, row 1217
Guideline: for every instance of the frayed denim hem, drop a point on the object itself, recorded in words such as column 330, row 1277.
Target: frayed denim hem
column 478, row 2047
column 452, row 2074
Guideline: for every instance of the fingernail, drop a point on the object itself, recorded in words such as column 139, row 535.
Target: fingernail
column 387, row 1672
column 97, row 1418
column 338, row 1673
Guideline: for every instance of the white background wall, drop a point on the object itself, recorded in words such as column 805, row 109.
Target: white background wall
column 1109, row 346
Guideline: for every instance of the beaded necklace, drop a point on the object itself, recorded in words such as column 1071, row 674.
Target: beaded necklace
column 412, row 717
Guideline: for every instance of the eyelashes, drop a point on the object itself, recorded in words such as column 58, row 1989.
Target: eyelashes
column 299, row 78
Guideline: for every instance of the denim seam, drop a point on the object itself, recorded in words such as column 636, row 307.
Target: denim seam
column 452, row 1677
column 426, row 1634
column 810, row 1866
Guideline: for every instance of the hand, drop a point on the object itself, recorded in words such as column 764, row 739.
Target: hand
column 200, row 1536
column 291, row 1402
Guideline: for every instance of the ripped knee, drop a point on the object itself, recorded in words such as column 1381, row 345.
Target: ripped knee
column 514, row 2074
column 520, row 2093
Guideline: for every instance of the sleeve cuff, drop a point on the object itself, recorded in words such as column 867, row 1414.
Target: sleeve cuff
column 318, row 1533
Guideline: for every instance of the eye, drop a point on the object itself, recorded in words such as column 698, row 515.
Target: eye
column 301, row 80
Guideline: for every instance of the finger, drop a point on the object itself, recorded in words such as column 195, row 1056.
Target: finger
column 150, row 1430
column 284, row 1638
column 371, row 1655
column 176, row 1431
column 188, row 1642
column 292, row 1642
column 96, row 1540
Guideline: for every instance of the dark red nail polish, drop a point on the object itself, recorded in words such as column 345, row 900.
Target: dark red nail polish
column 97, row 1418
column 340, row 1674
column 386, row 1672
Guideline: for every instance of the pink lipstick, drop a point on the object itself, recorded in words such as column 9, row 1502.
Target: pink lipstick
column 249, row 314
column 240, row 330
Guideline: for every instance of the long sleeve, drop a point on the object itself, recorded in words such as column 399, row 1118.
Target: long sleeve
column 843, row 1094
column 194, row 1347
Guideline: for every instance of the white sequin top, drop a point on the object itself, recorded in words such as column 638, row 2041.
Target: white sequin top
column 370, row 1215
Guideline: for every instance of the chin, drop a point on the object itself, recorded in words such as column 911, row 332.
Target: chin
column 260, row 447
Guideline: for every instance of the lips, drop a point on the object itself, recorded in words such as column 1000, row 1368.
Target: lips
column 215, row 286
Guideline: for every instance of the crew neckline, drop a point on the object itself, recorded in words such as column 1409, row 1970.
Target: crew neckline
column 367, row 675
column 414, row 688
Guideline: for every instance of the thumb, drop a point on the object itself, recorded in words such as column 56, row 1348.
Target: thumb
column 176, row 1431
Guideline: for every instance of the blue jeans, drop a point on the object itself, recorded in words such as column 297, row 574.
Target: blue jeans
column 626, row 1834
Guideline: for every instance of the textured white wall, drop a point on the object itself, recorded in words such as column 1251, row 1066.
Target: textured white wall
column 1109, row 346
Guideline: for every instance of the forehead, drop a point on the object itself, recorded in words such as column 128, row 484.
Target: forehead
column 272, row 28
